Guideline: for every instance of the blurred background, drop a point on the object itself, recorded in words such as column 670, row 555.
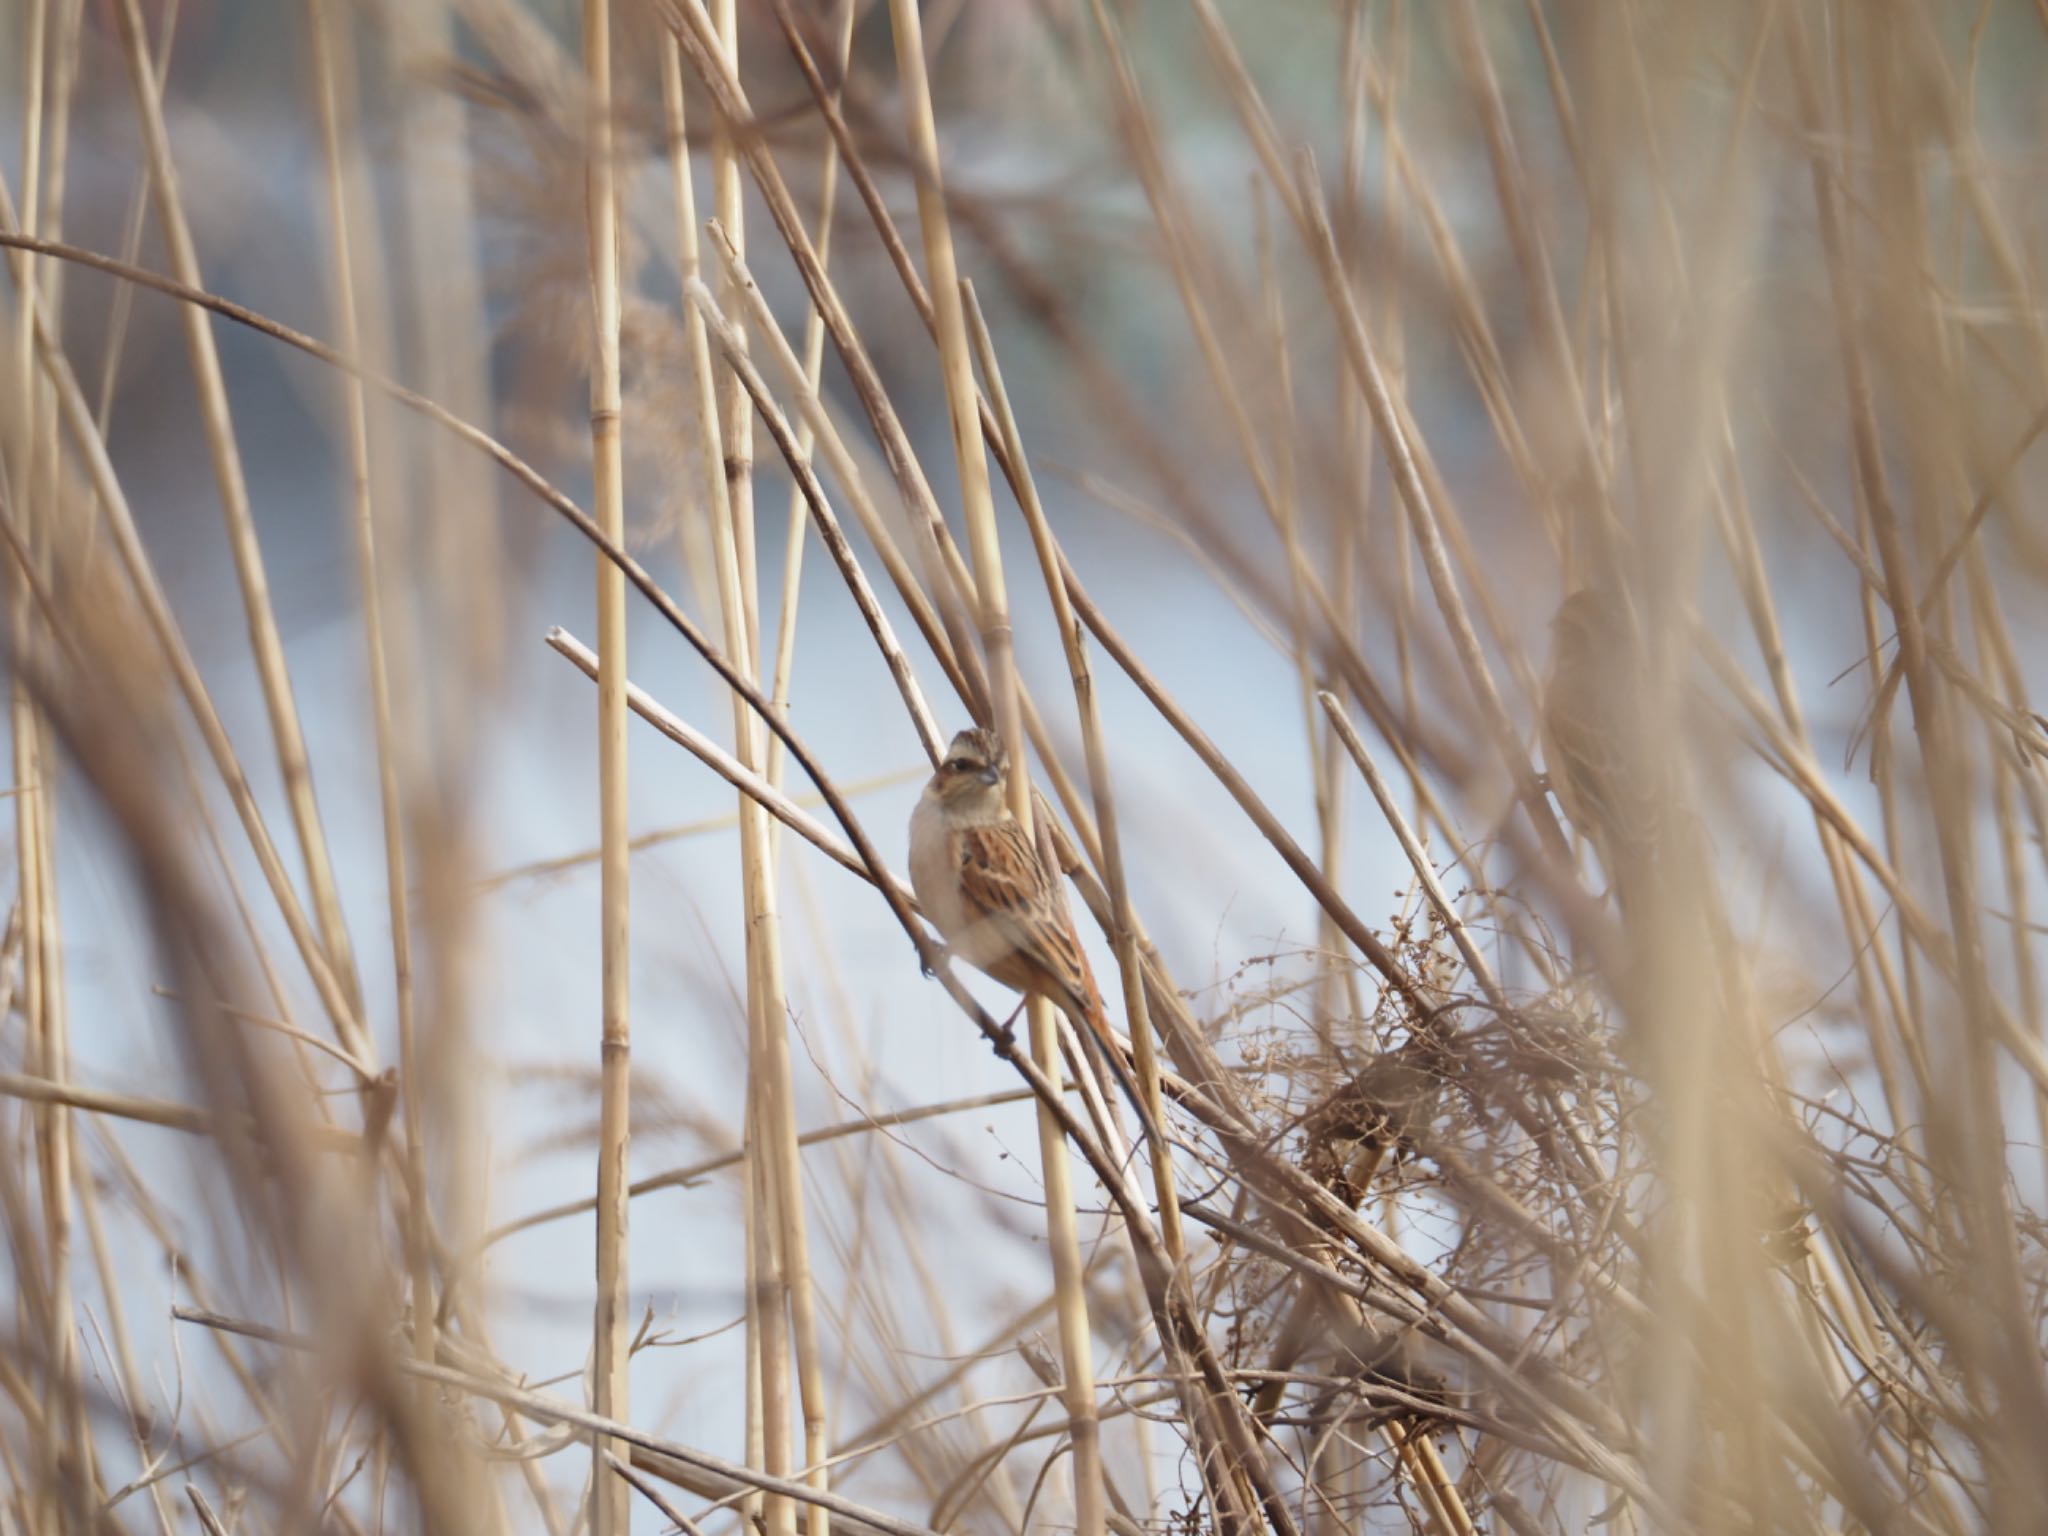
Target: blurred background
column 1343, row 339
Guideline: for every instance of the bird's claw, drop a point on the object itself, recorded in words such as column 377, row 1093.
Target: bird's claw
column 1005, row 1042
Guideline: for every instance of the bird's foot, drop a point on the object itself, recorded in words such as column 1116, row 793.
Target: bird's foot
column 1006, row 1037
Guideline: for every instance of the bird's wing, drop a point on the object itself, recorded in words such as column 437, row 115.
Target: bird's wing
column 1005, row 886
column 1584, row 748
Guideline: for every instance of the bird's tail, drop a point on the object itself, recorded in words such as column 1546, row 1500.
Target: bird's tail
column 1099, row 1042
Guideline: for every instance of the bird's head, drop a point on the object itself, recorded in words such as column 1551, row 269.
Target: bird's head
column 1591, row 626
column 970, row 776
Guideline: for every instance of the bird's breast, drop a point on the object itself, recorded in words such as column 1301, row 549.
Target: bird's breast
column 935, row 876
column 932, row 874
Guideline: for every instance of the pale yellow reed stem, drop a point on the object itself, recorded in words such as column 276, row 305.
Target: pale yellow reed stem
column 609, row 1508
column 266, row 643
column 978, row 505
column 334, row 82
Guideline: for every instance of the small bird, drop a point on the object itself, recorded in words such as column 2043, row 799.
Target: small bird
column 1383, row 1109
column 1587, row 730
column 981, row 882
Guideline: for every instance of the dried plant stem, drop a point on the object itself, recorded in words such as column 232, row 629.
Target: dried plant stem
column 1976, row 1133
column 726, row 489
column 561, row 864
column 334, row 88
column 526, row 475
column 265, row 641
column 688, row 1178
column 952, row 584
column 609, row 1506
column 813, row 366
column 1124, row 936
column 978, row 508
column 64, row 1486
column 127, row 1106
column 551, row 1410
column 1226, row 376
column 457, row 550
column 728, row 207
column 703, row 512
column 1420, row 507
column 754, row 787
column 783, row 1314
column 1418, row 860
column 91, row 447
column 726, row 335
column 122, row 1351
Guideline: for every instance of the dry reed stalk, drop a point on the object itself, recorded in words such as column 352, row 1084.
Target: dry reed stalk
column 264, row 1114
column 728, row 207
column 450, row 359
column 813, row 366
column 691, row 23
column 781, row 1306
column 791, row 1303
column 1420, row 506
column 757, row 1251
column 125, row 1106
column 265, row 641
column 1124, row 931
column 1124, row 937
column 695, row 1173
column 807, row 488
column 993, row 620
column 1194, row 268
column 778, row 1257
column 33, row 470
column 1418, row 860
column 894, row 1316
column 1973, row 1138
column 87, row 441
column 121, row 1348
column 635, row 574
column 552, row 1410
column 609, row 1514
column 947, row 571
column 1844, row 1381
column 563, row 863
column 1532, row 259
column 845, row 468
column 1339, row 992
column 438, row 275
column 131, row 245
column 45, row 1289
column 707, row 432
column 334, row 87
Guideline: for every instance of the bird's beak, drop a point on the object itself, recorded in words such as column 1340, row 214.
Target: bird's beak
column 989, row 776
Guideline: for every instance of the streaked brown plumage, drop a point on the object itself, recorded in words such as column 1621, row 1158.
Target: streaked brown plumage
column 1382, row 1110
column 1346, row 1137
column 985, row 889
column 1586, row 728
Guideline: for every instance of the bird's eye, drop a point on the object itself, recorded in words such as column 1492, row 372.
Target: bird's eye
column 957, row 765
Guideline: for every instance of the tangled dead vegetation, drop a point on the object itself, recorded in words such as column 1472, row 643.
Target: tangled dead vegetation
column 1575, row 468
